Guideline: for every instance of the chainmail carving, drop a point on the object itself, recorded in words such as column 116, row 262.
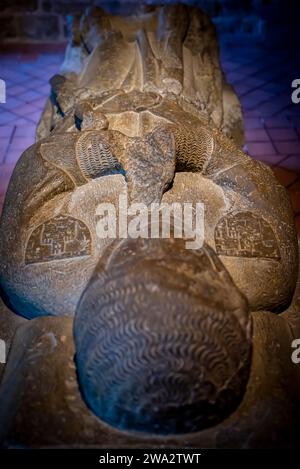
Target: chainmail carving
column 94, row 157
column 157, row 359
column 194, row 147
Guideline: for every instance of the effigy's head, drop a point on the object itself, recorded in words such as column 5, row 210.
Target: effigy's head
column 163, row 338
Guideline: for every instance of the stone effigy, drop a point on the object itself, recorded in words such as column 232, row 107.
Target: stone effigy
column 172, row 346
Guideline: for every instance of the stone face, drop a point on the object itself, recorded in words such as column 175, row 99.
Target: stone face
column 163, row 335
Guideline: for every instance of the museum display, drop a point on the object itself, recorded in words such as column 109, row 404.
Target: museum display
column 138, row 341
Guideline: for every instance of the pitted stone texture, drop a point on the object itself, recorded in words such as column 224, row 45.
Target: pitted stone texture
column 150, row 352
column 243, row 234
column 169, row 51
column 40, row 391
column 259, row 277
column 148, row 95
column 53, row 287
column 9, row 322
column 61, row 237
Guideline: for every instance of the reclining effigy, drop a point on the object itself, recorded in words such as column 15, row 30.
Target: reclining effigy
column 172, row 346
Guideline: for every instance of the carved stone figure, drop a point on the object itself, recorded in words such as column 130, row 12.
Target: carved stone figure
column 172, row 347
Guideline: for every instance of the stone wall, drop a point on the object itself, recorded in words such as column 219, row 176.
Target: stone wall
column 27, row 21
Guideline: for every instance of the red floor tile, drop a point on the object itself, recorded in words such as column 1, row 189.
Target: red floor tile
column 5, row 175
column 252, row 123
column 284, row 176
column 24, row 110
column 4, row 143
column 292, row 163
column 277, row 122
column 297, row 222
column 14, row 155
column 256, row 135
column 6, row 130
column 27, row 130
column 260, row 148
column 283, row 134
column 272, row 160
column 289, row 147
column 294, row 191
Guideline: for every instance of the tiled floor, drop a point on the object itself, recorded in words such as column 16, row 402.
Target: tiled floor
column 261, row 79
column 26, row 77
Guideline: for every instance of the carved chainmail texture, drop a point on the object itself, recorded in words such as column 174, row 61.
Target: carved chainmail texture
column 194, row 147
column 94, row 156
column 157, row 359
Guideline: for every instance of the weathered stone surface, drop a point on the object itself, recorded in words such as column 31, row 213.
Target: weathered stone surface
column 42, row 393
column 145, row 331
column 9, row 322
column 162, row 333
column 264, row 290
